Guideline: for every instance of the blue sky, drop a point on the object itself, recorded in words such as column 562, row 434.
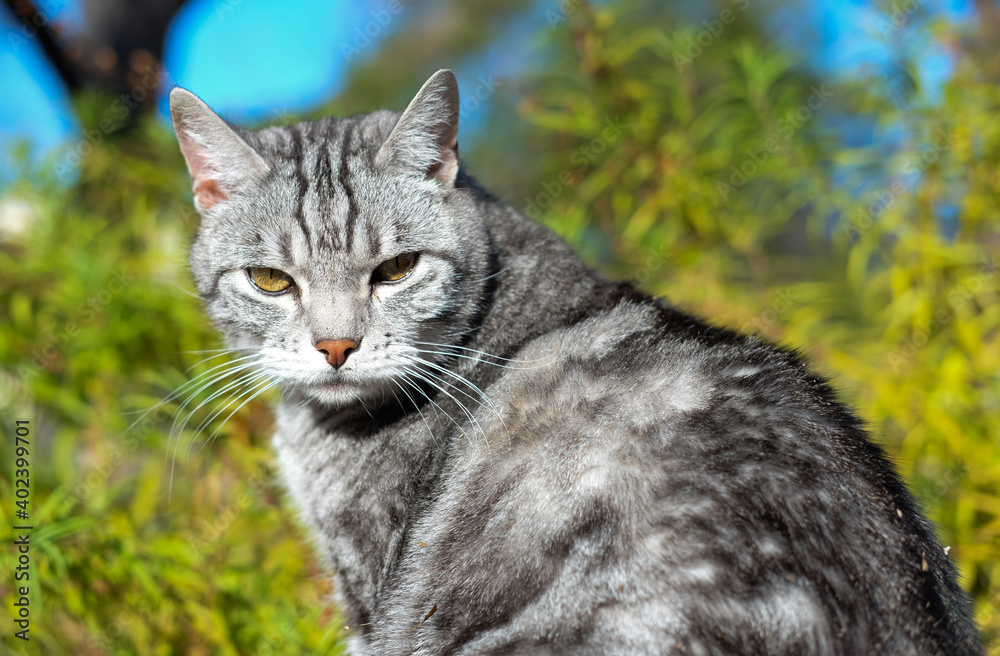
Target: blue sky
column 251, row 63
column 35, row 106
column 281, row 66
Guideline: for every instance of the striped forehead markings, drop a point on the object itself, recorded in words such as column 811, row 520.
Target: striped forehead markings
column 302, row 183
column 323, row 173
column 344, row 178
column 311, row 160
column 328, row 232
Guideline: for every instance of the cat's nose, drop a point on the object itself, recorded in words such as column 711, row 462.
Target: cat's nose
column 337, row 350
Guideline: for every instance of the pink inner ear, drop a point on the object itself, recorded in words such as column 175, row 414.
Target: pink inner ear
column 207, row 190
column 446, row 168
column 207, row 193
column 444, row 171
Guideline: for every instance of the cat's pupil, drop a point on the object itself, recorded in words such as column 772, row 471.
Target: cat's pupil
column 395, row 268
column 270, row 280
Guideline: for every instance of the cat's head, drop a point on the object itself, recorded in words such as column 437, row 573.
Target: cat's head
column 339, row 251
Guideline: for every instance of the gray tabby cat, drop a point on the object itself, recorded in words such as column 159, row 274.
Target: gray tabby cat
column 499, row 452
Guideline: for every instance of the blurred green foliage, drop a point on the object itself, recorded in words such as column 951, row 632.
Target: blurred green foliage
column 716, row 180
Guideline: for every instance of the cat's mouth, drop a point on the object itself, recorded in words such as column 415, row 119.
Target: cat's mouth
column 335, row 392
column 340, row 389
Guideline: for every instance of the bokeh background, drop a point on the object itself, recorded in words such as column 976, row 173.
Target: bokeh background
column 824, row 173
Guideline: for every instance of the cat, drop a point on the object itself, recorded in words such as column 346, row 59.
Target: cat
column 498, row 451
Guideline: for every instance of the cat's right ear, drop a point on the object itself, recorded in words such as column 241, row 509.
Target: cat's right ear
column 219, row 160
column 425, row 138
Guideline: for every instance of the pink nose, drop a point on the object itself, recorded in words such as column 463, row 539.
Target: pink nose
column 337, row 350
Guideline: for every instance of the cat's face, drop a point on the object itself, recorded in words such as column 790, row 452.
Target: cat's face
column 339, row 253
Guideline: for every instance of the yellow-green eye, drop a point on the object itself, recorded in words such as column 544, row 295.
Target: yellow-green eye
column 270, row 280
column 395, row 269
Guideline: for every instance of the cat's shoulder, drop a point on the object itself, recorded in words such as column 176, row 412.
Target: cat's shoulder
column 639, row 339
column 641, row 367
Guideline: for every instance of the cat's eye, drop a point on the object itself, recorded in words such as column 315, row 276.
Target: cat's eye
column 395, row 269
column 270, row 280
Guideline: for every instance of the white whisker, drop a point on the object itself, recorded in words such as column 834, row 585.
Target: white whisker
column 248, row 380
column 483, row 399
column 482, row 354
column 268, row 384
column 492, row 275
column 406, row 375
column 429, row 379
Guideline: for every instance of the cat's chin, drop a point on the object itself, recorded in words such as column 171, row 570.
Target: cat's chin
column 339, row 394
column 335, row 395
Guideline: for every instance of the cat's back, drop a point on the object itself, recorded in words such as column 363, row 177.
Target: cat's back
column 642, row 477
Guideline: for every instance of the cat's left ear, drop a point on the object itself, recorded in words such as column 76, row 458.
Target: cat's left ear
column 219, row 160
column 426, row 136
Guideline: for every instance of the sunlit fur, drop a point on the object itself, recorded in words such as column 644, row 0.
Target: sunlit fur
column 523, row 458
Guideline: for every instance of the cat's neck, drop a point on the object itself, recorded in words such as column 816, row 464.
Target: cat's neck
column 541, row 284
